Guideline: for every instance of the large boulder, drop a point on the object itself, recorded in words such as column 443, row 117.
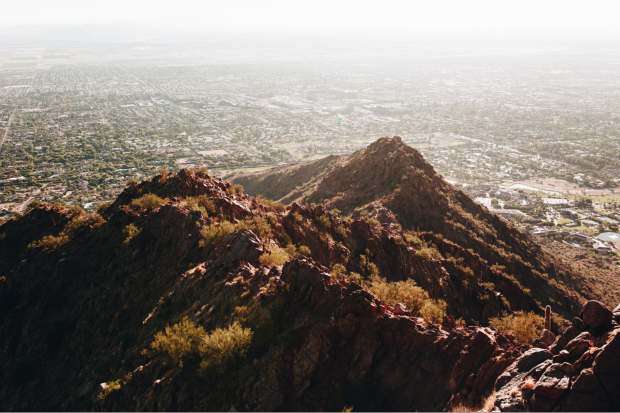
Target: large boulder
column 586, row 394
column 568, row 334
column 596, row 315
column 550, row 387
column 607, row 367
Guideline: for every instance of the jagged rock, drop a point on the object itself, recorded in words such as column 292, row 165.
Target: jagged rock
column 550, row 387
column 522, row 365
column 616, row 313
column 576, row 347
column 596, row 315
column 569, row 334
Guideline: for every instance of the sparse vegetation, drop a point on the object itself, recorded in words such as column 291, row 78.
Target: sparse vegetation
column 278, row 206
column 109, row 388
column 177, row 344
column 304, row 250
column 223, row 346
column 275, row 256
column 50, row 242
column 526, row 327
column 130, row 231
column 148, row 201
column 214, row 233
column 200, row 203
column 257, row 225
column 407, row 292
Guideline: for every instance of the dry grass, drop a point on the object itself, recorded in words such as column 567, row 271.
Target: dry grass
column 514, row 391
column 529, row 383
column 462, row 408
column 489, row 403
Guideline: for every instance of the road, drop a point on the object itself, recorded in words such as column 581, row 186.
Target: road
column 6, row 132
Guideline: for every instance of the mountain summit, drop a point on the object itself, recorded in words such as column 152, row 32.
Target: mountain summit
column 188, row 294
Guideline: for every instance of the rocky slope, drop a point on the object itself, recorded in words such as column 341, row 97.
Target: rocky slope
column 391, row 182
column 580, row 371
column 82, row 313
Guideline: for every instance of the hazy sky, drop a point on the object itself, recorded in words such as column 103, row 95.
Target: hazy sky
column 575, row 18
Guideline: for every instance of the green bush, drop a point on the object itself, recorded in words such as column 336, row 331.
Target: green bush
column 338, row 271
column 322, row 222
column 526, row 327
column 177, row 344
column 79, row 222
column 34, row 204
column 200, row 203
column 277, row 256
column 433, row 311
column 278, row 206
column 132, row 182
column 340, row 231
column 50, row 242
column 257, row 225
column 416, row 299
column 413, row 240
column 291, row 249
column 272, row 218
column 235, row 189
column 222, row 347
column 304, row 250
column 295, row 217
column 373, row 222
column 109, row 388
column 426, row 254
column 130, row 232
column 148, row 201
column 215, row 233
column 76, row 210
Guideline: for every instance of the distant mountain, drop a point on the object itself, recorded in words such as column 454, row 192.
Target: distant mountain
column 186, row 294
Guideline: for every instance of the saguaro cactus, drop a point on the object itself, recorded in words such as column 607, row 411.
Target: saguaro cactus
column 548, row 318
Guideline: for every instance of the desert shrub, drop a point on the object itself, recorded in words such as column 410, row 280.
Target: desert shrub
column 109, row 388
column 426, row 254
column 50, row 242
column 164, row 174
column 215, row 233
column 147, row 201
column 399, row 292
column 200, row 203
column 558, row 323
column 291, row 249
column 79, row 222
column 222, row 346
column 277, row 256
column 416, row 299
column 272, row 218
column 413, row 240
column 278, row 206
column 373, row 222
column 322, row 222
column 34, row 204
column 399, row 240
column 295, row 216
column 235, row 189
column 526, row 327
column 338, row 271
column 103, row 207
column 304, row 250
column 354, row 276
column 433, row 311
column 177, row 344
column 340, row 231
column 132, row 182
column 203, row 171
column 257, row 225
column 130, row 231
column 76, row 210
column 369, row 266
